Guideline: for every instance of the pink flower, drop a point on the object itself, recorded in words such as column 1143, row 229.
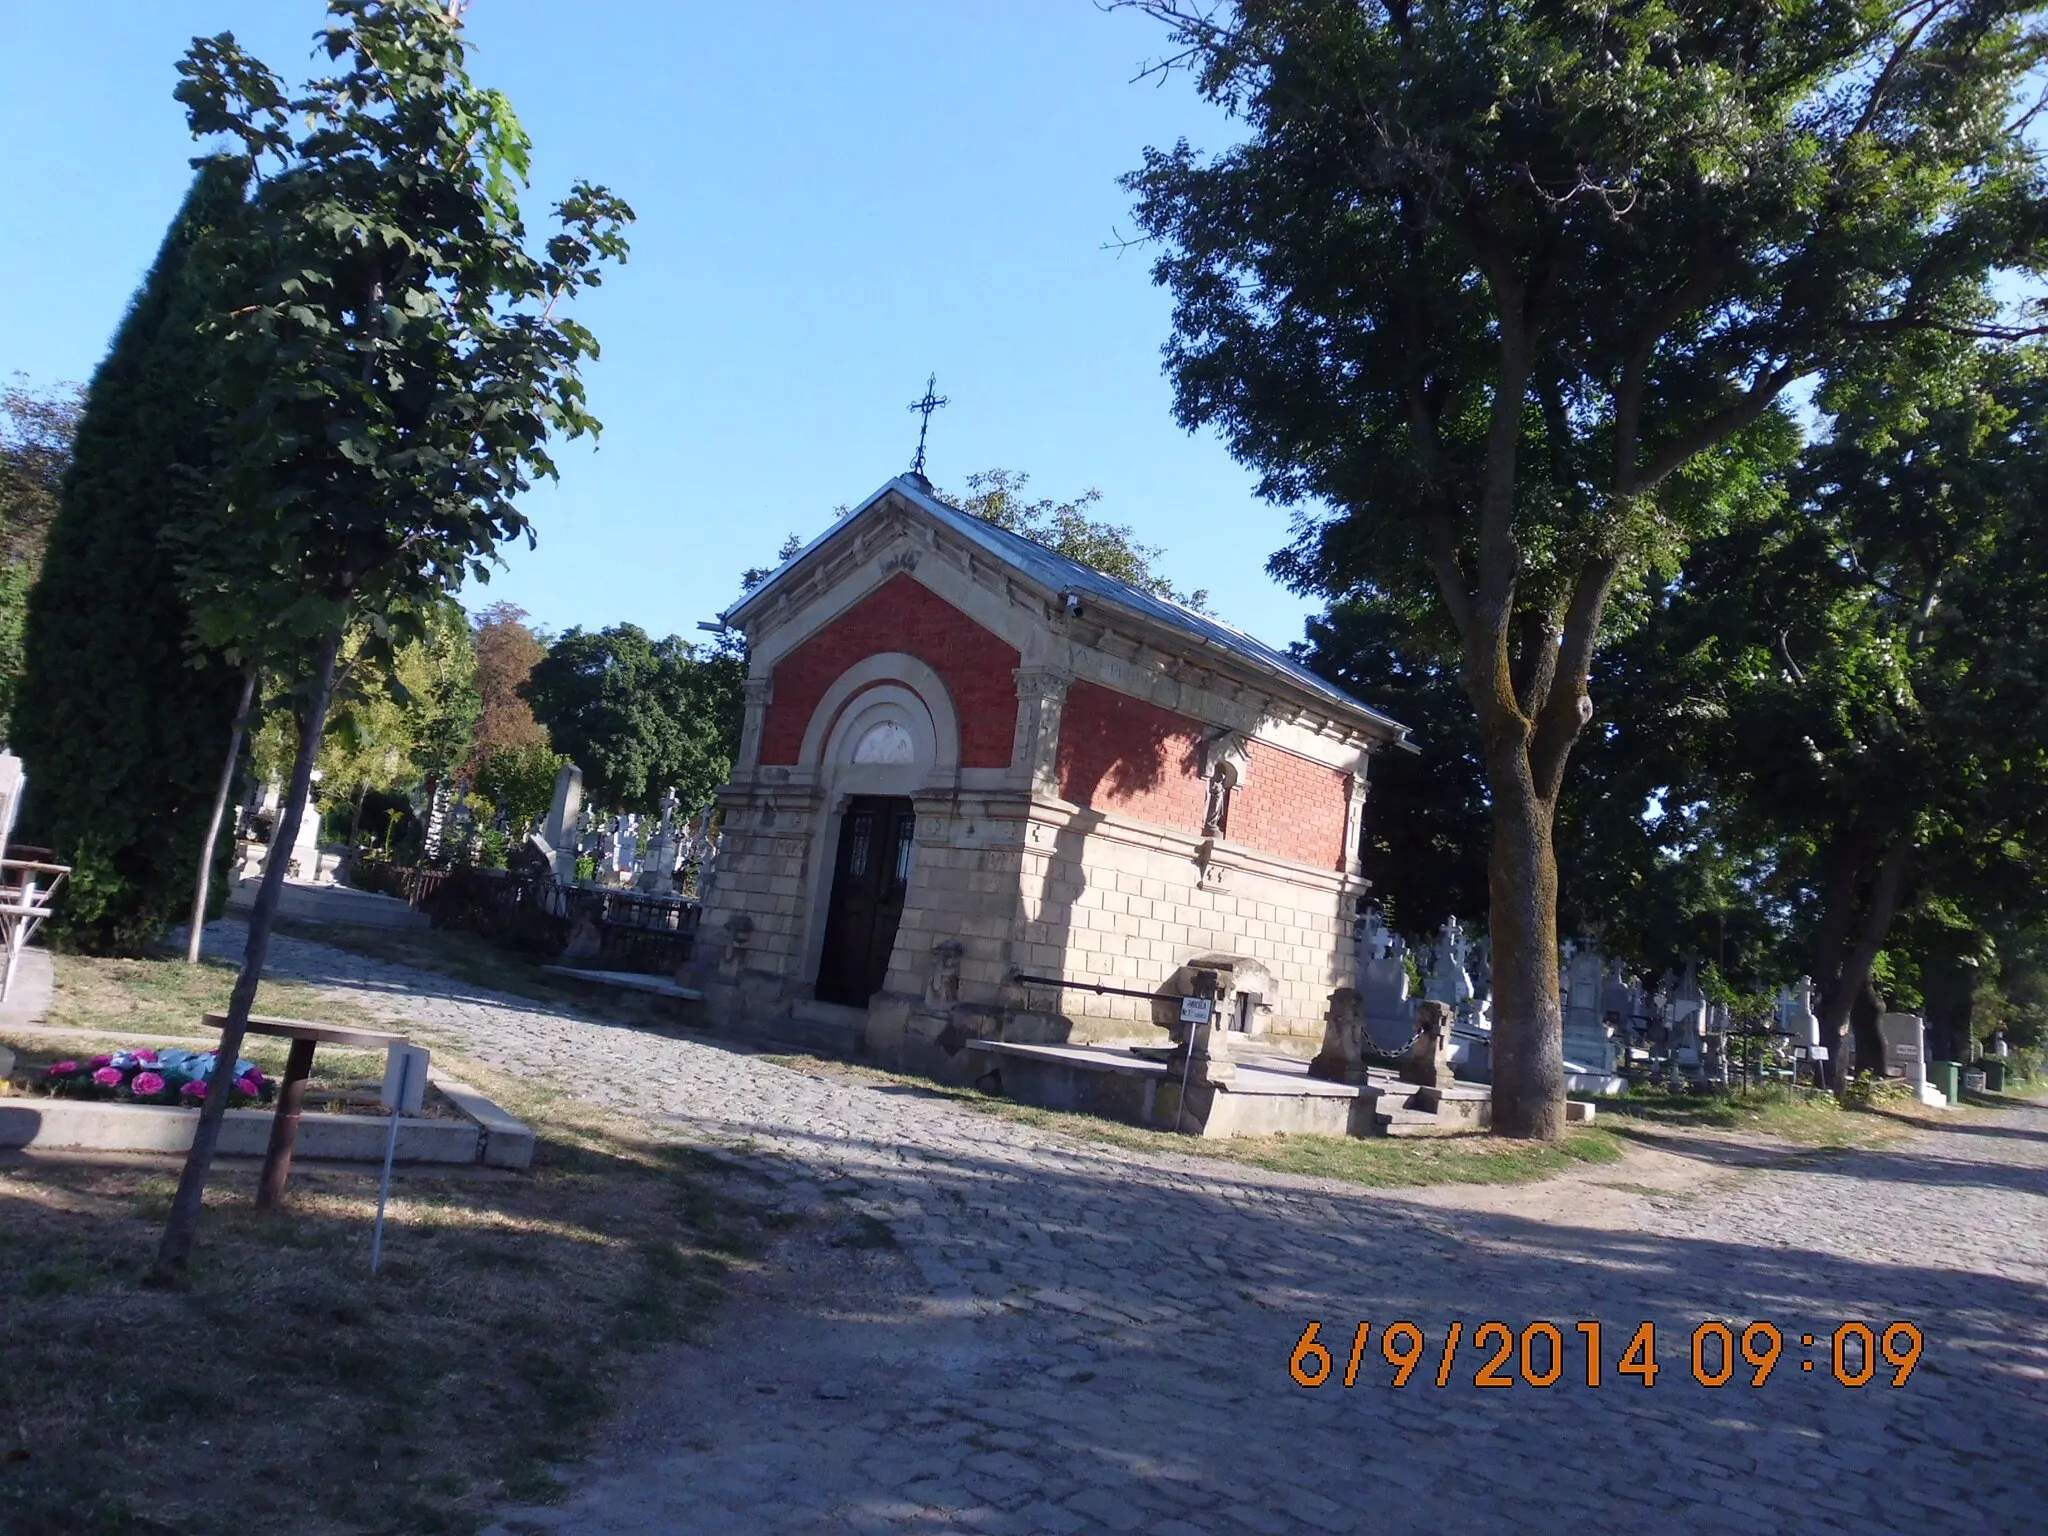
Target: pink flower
column 64, row 1069
column 101, row 1061
column 108, row 1077
column 193, row 1090
column 248, row 1085
column 147, row 1085
column 148, row 1056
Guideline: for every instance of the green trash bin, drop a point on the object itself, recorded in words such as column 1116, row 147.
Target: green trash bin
column 1943, row 1075
column 1994, row 1074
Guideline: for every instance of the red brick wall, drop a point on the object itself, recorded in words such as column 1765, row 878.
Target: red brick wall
column 1121, row 754
column 1290, row 806
column 902, row 614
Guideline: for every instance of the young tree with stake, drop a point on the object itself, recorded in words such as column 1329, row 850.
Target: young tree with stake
column 1506, row 287
column 394, row 362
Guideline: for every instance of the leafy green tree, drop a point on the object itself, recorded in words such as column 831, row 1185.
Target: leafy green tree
column 1064, row 527
column 394, row 358
column 401, row 712
column 638, row 715
column 520, row 781
column 36, row 433
column 120, row 723
column 1494, row 295
column 1846, row 699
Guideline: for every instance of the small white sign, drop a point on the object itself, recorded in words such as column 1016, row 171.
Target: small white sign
column 405, row 1078
column 1814, row 1052
column 1196, row 1010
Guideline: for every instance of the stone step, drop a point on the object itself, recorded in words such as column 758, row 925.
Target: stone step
column 1399, row 1120
column 834, row 1026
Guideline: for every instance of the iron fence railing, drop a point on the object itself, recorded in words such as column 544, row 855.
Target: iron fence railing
column 635, row 930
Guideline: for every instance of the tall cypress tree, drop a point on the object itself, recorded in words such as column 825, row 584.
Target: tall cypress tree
column 121, row 723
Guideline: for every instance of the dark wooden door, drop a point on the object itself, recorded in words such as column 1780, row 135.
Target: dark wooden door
column 867, row 898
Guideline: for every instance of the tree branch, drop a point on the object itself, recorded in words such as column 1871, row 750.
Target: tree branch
column 1567, row 709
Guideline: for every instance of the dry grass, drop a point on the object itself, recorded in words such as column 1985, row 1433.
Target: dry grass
column 168, row 997
column 1382, row 1161
column 286, row 1390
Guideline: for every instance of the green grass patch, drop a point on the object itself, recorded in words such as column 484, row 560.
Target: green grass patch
column 1811, row 1117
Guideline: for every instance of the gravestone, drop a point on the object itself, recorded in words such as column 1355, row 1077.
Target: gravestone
column 1383, row 987
column 1688, row 1018
column 1905, row 1050
column 1588, row 1048
column 564, row 816
column 658, row 869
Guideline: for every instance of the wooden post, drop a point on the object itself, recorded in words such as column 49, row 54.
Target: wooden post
column 284, row 1125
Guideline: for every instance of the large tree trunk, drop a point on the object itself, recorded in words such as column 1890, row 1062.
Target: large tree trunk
column 1528, row 1023
column 220, row 806
column 179, row 1230
column 1845, row 961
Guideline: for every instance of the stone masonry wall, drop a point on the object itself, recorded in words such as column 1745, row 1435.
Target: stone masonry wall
column 1115, row 906
column 978, row 668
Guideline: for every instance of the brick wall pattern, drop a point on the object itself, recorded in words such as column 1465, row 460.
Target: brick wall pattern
column 902, row 614
column 1292, row 807
column 1122, row 754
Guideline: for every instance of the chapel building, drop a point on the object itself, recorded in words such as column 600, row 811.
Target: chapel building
column 986, row 792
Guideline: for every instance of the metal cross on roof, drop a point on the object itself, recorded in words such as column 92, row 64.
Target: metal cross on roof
column 927, row 405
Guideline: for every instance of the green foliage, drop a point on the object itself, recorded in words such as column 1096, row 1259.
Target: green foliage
column 401, row 711
column 36, row 433
column 1866, row 1090
column 121, row 727
column 1844, row 702
column 395, row 354
column 1424, row 848
column 1496, row 297
column 639, row 715
column 520, row 781
column 1064, row 527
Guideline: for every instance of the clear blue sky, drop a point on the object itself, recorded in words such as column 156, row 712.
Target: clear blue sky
column 834, row 199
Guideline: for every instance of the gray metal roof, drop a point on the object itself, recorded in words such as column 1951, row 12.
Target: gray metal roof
column 1058, row 575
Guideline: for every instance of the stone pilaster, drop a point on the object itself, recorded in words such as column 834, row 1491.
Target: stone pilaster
column 1354, row 820
column 1041, row 696
column 759, row 690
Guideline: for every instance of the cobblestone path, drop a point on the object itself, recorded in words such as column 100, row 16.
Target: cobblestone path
column 1075, row 1338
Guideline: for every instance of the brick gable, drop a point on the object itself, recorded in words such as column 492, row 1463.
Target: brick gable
column 904, row 615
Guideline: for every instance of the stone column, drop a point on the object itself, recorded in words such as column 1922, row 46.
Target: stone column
column 1041, row 696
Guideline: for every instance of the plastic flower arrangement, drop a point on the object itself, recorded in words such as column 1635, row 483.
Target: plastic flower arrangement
column 155, row 1077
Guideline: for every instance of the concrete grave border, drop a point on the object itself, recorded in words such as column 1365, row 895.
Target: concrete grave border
column 486, row 1135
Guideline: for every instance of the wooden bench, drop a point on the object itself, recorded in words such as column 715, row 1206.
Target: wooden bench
column 291, row 1089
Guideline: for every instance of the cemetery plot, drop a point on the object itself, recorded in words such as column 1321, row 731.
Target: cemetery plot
column 326, row 1399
